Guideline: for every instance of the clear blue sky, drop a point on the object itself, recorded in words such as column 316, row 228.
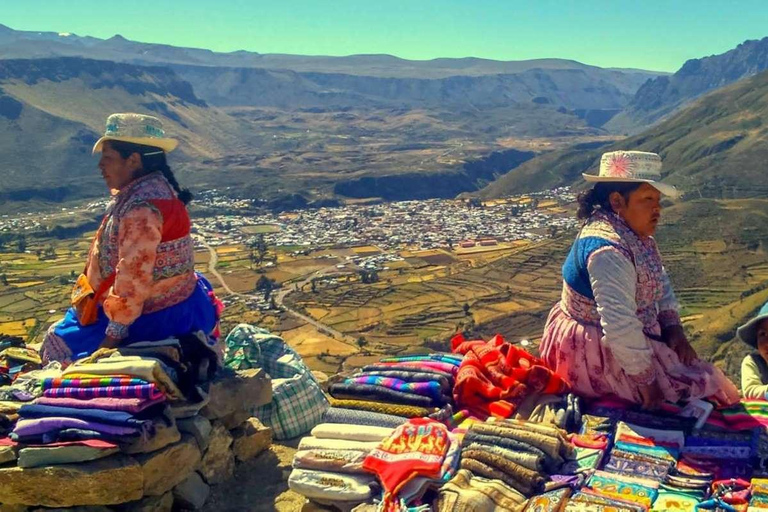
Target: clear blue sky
column 650, row 34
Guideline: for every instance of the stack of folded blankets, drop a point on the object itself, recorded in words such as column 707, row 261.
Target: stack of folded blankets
column 104, row 402
column 407, row 386
column 496, row 377
column 759, row 499
column 520, row 454
column 328, row 466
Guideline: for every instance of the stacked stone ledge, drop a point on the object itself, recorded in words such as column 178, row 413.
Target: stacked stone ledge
column 171, row 471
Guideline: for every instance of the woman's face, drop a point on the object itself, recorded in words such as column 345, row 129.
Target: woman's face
column 116, row 170
column 641, row 211
column 762, row 338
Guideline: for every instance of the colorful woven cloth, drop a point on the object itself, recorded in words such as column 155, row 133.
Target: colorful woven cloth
column 431, row 389
column 636, row 490
column 119, row 418
column 444, row 358
column 354, row 417
column 92, row 382
column 150, row 391
column 406, row 411
column 352, row 391
column 495, row 377
column 132, row 405
column 467, row 491
column 337, row 461
column 40, row 426
column 416, row 448
column 147, row 369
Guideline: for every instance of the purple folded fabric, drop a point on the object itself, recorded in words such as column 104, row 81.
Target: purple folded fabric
column 39, row 426
column 144, row 391
column 132, row 405
column 431, row 388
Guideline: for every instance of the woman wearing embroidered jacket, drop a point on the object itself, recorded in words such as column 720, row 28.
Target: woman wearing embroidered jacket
column 616, row 330
column 141, row 263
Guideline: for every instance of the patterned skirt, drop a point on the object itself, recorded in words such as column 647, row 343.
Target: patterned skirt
column 67, row 340
column 576, row 352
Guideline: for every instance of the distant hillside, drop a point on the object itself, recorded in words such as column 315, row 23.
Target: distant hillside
column 715, row 148
column 662, row 95
column 15, row 44
column 576, row 89
column 53, row 110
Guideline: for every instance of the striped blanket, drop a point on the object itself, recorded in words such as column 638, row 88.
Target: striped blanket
column 96, row 382
column 431, row 389
column 150, row 391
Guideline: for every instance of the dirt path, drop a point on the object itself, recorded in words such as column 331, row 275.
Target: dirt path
column 280, row 296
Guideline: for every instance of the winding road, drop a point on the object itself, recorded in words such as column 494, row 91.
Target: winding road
column 280, row 295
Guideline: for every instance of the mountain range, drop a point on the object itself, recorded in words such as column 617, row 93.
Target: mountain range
column 715, row 148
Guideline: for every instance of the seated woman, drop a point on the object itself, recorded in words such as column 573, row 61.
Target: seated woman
column 140, row 267
column 616, row 330
column 754, row 367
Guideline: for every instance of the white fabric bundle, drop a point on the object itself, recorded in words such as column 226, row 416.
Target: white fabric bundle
column 363, row 433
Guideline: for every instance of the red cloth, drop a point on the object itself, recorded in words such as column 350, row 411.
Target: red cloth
column 495, row 376
column 416, row 448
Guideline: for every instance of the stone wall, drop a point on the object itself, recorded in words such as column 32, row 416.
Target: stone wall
column 171, row 471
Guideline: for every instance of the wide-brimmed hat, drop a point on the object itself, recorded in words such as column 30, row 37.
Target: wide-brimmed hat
column 632, row 167
column 137, row 129
column 748, row 331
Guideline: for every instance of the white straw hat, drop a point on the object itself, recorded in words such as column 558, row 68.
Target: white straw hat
column 137, row 129
column 632, row 167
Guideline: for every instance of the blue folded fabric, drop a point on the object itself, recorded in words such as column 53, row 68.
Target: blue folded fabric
column 116, row 418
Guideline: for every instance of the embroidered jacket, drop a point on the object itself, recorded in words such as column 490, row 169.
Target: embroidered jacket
column 615, row 279
column 145, row 240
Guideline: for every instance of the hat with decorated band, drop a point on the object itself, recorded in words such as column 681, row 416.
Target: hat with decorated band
column 136, row 129
column 632, row 167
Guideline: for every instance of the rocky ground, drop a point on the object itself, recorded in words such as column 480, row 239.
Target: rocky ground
column 260, row 485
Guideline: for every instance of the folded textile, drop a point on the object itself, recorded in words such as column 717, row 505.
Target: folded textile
column 445, row 383
column 511, row 444
column 338, row 461
column 118, row 418
column 150, row 391
column 656, row 437
column 550, row 501
column 467, row 491
column 551, row 446
column 637, row 465
column 346, row 390
column 588, row 501
column 496, row 376
column 660, row 452
column 406, row 411
column 525, row 459
column 355, row 417
column 132, row 405
column 39, row 426
column 92, row 382
column 150, row 370
column 445, row 358
column 407, row 368
column 636, row 490
column 351, row 432
column 431, row 388
column 526, row 481
column 334, row 487
column 32, row 457
column 314, row 443
column 448, row 368
column 452, row 455
column 582, row 460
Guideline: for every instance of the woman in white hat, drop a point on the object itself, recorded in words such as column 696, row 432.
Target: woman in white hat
column 754, row 367
column 616, row 330
column 139, row 282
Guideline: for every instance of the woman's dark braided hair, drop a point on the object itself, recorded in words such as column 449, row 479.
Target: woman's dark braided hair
column 599, row 197
column 152, row 159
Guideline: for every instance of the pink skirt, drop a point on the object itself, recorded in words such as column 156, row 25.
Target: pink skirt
column 577, row 353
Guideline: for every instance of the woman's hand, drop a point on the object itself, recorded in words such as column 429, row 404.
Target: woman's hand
column 110, row 342
column 652, row 395
column 674, row 337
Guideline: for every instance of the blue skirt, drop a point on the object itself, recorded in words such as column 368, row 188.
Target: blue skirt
column 196, row 313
